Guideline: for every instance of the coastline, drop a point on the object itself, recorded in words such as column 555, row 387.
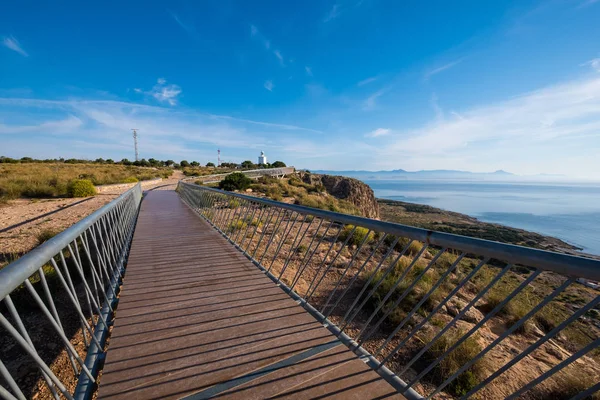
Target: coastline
column 432, row 218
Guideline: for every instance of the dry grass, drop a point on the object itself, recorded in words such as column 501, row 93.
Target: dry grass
column 37, row 180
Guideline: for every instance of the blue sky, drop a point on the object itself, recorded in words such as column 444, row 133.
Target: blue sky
column 361, row 84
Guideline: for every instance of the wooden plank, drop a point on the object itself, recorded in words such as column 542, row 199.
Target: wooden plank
column 196, row 319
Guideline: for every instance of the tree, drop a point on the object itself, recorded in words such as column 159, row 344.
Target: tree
column 168, row 163
column 248, row 164
column 235, row 181
column 195, row 164
column 184, row 164
column 125, row 162
column 278, row 164
column 209, row 164
column 110, row 161
column 99, row 161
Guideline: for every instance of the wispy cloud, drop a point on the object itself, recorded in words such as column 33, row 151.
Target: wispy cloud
column 594, row 64
column 279, row 57
column 255, row 33
column 308, row 71
column 371, row 102
column 367, row 81
column 428, row 74
column 189, row 28
column 333, row 13
column 587, row 3
column 439, row 113
column 163, row 92
column 269, row 85
column 12, row 43
column 378, row 132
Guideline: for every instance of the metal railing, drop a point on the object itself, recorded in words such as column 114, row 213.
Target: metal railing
column 253, row 174
column 431, row 312
column 58, row 301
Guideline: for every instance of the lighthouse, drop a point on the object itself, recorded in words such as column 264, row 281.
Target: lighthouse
column 262, row 159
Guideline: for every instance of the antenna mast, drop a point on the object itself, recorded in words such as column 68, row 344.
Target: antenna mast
column 135, row 143
column 218, row 157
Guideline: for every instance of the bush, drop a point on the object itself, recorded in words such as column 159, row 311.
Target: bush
column 235, row 181
column 131, row 179
column 278, row 164
column 233, row 203
column 357, row 237
column 45, row 235
column 81, row 188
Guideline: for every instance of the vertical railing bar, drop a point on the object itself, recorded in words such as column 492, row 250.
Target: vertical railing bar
column 458, row 316
column 280, row 218
column 88, row 290
column 308, row 249
column 395, row 286
column 399, row 299
column 244, row 219
column 68, row 274
column 389, row 270
column 308, row 258
column 263, row 211
column 53, row 309
column 576, row 315
column 269, row 218
column 505, row 334
column 61, row 334
column 5, row 394
column 77, row 305
column 77, row 259
column 366, row 285
column 286, row 232
column 96, row 302
column 293, row 248
column 464, row 337
column 418, row 305
column 354, row 278
column 4, row 322
column 586, row 393
column 245, row 236
column 21, row 327
column 11, row 382
column 583, row 351
column 324, row 260
column 356, row 252
column 95, row 275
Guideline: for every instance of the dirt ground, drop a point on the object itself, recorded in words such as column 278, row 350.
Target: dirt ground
column 22, row 220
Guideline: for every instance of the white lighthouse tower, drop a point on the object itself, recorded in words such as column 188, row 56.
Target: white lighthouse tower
column 262, row 159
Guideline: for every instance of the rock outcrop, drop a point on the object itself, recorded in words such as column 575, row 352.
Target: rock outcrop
column 349, row 189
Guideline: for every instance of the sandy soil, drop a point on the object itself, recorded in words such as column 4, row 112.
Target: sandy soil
column 22, row 220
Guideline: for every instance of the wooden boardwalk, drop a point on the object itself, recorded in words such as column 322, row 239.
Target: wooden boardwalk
column 197, row 320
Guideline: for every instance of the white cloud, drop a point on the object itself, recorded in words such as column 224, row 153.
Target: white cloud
column 371, row 102
column 308, row 71
column 186, row 27
column 13, row 44
column 428, row 74
column 367, row 81
column 253, row 30
column 439, row 113
column 378, row 132
column 163, row 92
column 530, row 133
column 594, row 64
column 333, row 13
column 279, row 57
column 269, row 86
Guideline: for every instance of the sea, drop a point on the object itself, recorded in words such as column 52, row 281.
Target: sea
column 567, row 210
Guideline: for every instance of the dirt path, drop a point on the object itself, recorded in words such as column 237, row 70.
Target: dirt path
column 23, row 220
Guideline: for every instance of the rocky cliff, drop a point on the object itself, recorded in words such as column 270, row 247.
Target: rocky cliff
column 349, row 189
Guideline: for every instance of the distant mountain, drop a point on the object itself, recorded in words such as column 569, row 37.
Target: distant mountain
column 423, row 174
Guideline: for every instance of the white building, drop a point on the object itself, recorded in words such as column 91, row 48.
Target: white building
column 262, row 159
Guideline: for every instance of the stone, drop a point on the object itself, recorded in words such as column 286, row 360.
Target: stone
column 455, row 306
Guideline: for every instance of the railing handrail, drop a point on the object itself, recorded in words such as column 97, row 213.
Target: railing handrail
column 15, row 273
column 265, row 171
column 565, row 264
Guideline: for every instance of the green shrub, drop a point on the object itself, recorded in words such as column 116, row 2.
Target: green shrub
column 237, row 225
column 357, row 236
column 131, row 179
column 235, row 181
column 39, row 191
column 81, row 188
column 45, row 235
column 233, row 203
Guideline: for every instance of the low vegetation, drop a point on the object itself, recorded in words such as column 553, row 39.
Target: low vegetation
column 302, row 193
column 81, row 188
column 45, row 180
column 235, row 181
